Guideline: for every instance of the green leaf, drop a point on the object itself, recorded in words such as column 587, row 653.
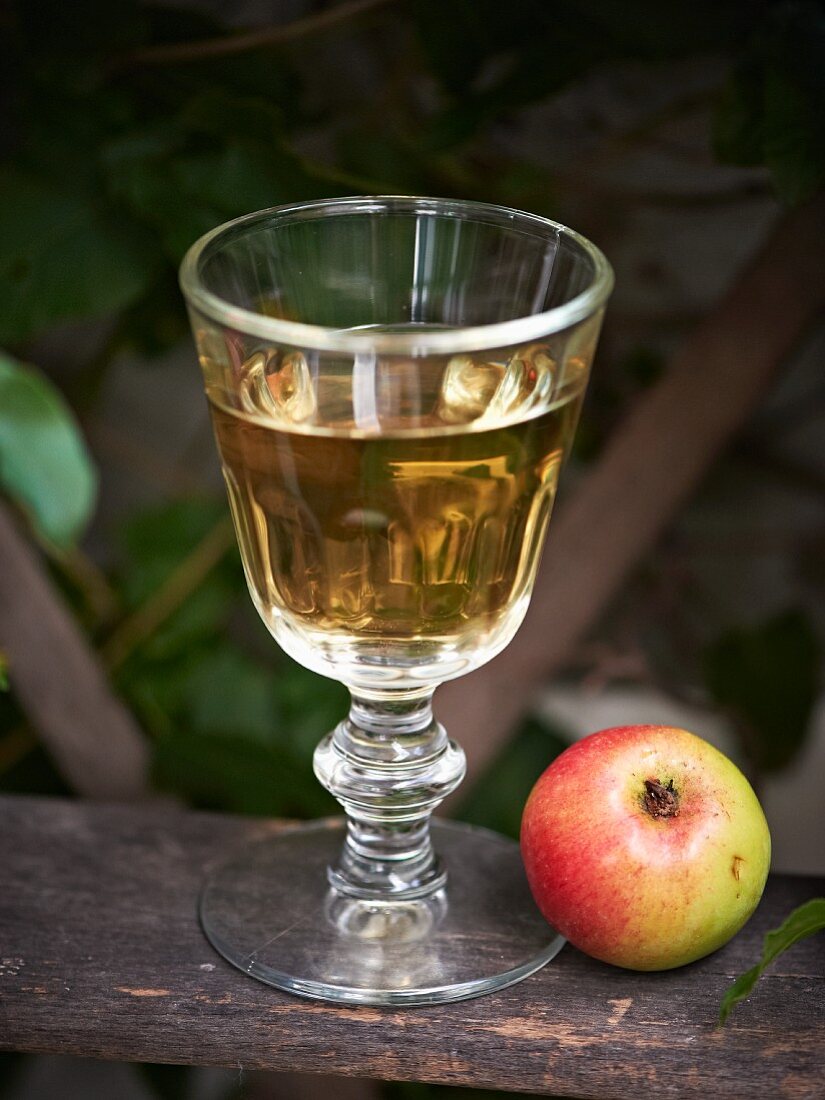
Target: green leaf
column 738, row 126
column 497, row 798
column 62, row 256
column 227, row 693
column 803, row 921
column 199, row 619
column 156, row 543
column 44, row 464
column 140, row 172
column 222, row 157
column 772, row 111
column 310, row 706
column 794, row 136
column 230, row 773
column 383, row 155
column 4, row 672
column 157, row 321
column 766, row 678
column 225, row 115
column 246, row 175
column 492, row 58
column 158, row 539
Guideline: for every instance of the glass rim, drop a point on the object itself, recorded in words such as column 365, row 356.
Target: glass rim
column 298, row 334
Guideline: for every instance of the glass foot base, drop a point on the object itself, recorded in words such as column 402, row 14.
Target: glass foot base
column 270, row 912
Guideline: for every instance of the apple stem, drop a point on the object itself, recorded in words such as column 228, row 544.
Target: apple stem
column 661, row 800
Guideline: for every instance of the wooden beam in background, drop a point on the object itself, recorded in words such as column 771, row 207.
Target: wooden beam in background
column 649, row 468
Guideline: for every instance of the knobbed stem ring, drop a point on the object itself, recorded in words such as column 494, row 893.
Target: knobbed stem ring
column 389, row 764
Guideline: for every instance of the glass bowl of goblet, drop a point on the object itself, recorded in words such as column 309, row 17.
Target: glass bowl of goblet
column 394, row 384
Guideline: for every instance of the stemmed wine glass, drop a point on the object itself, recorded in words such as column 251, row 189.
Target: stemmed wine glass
column 394, row 384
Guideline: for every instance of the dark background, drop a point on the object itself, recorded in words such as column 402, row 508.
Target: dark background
column 677, row 136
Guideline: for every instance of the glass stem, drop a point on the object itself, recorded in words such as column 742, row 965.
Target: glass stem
column 389, row 764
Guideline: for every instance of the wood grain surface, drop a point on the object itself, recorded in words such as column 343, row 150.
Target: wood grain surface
column 101, row 955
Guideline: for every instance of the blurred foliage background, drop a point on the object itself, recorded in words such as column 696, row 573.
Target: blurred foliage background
column 133, row 128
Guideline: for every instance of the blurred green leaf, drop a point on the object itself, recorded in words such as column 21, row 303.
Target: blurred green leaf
column 492, row 58
column 220, row 113
column 234, row 734
column 766, row 678
column 310, row 706
column 63, row 256
column 150, row 192
column 142, row 169
column 229, row 773
column 794, row 136
column 496, row 800
column 158, row 320
column 154, row 689
column 738, row 125
column 394, row 162
column 44, row 464
column 200, row 617
column 772, row 111
column 221, row 156
column 4, row 672
column 156, row 544
column 241, row 176
column 157, row 539
column 218, row 713
column 230, row 694
column 804, row 921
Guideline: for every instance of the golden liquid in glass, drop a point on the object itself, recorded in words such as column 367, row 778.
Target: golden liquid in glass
column 399, row 540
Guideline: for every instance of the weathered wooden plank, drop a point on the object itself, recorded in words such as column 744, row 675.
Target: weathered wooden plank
column 101, row 955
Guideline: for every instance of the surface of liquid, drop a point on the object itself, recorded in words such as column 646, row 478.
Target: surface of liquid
column 391, row 521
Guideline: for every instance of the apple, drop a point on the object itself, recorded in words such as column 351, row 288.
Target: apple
column 645, row 846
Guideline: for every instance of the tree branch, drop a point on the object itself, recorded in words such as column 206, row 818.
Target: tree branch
column 654, row 461
column 229, row 45
column 166, row 599
column 57, row 677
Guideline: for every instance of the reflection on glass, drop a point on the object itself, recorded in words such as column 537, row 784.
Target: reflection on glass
column 394, row 385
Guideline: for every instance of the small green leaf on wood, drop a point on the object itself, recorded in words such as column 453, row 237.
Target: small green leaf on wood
column 44, row 465
column 804, row 921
